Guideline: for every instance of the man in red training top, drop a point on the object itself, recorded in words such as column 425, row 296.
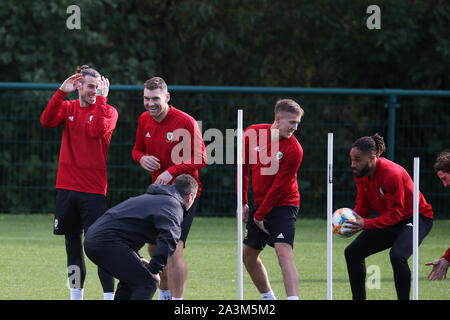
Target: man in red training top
column 274, row 155
column 169, row 143
column 440, row 266
column 81, row 181
column 386, row 188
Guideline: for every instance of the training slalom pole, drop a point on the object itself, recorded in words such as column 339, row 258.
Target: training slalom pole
column 239, row 203
column 329, row 218
column 416, row 230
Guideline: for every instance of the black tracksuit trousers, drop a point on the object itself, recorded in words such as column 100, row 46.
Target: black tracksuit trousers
column 368, row 242
column 135, row 281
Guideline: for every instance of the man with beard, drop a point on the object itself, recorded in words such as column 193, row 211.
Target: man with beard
column 386, row 188
column 157, row 149
column 81, row 181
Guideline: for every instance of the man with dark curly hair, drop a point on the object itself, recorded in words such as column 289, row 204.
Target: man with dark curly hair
column 440, row 266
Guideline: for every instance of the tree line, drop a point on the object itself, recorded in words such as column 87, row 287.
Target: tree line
column 291, row 43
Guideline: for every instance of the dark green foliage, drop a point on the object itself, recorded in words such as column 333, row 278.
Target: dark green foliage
column 265, row 43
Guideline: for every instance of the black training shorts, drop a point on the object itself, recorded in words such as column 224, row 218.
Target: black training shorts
column 280, row 222
column 76, row 211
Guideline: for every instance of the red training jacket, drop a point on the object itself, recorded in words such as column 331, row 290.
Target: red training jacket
column 85, row 141
column 274, row 176
column 160, row 139
column 390, row 193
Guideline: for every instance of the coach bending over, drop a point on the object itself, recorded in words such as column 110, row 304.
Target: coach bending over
column 113, row 241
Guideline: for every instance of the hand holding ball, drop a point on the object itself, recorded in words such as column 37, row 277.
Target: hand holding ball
column 339, row 220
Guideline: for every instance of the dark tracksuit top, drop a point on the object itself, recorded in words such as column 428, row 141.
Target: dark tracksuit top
column 157, row 214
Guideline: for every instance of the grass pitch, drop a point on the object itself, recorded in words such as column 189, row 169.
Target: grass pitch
column 33, row 262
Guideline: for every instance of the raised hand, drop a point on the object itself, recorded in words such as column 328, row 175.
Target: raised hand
column 70, row 84
column 103, row 87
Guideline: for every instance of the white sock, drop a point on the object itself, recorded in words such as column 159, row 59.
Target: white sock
column 293, row 298
column 108, row 296
column 268, row 296
column 173, row 298
column 164, row 294
column 76, row 294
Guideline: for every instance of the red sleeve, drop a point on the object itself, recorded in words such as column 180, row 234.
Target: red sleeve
column 446, row 255
column 287, row 169
column 54, row 114
column 362, row 206
column 104, row 119
column 394, row 191
column 245, row 168
column 139, row 149
column 197, row 158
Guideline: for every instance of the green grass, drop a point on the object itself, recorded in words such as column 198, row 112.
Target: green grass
column 33, row 262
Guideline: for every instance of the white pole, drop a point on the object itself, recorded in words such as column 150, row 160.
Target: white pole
column 329, row 218
column 239, row 202
column 416, row 230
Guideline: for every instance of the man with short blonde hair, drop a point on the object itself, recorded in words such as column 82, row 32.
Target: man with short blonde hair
column 277, row 199
column 289, row 106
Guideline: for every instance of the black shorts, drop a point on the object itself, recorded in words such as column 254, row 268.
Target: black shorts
column 186, row 224
column 76, row 211
column 280, row 222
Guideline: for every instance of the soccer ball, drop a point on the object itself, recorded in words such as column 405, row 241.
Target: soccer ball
column 340, row 217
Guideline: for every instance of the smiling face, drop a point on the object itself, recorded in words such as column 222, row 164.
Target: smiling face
column 362, row 163
column 287, row 123
column 87, row 90
column 445, row 178
column 156, row 103
column 442, row 167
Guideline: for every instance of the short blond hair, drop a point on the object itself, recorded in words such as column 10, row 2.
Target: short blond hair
column 289, row 106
